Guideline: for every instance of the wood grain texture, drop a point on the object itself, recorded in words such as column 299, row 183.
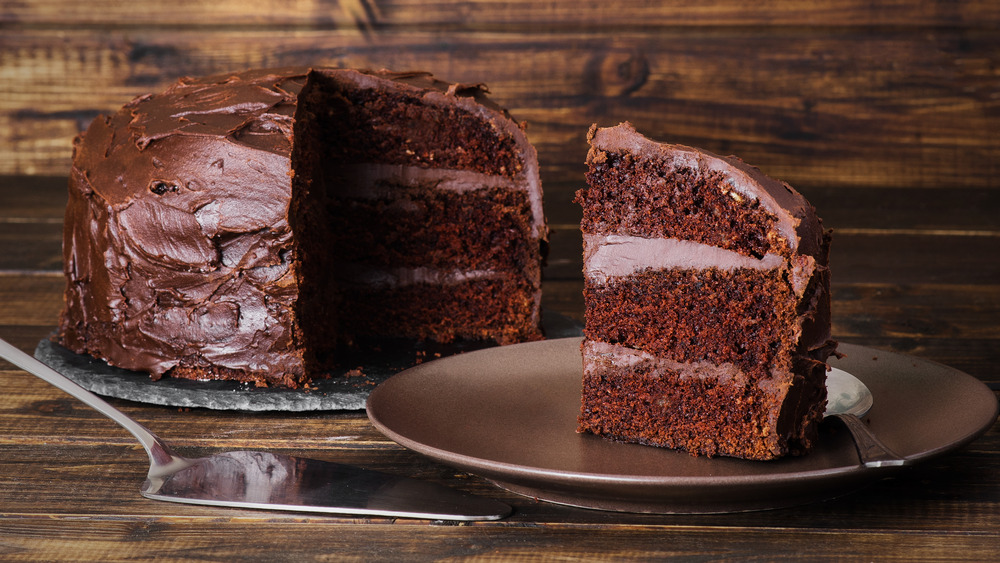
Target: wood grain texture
column 110, row 540
column 550, row 15
column 814, row 107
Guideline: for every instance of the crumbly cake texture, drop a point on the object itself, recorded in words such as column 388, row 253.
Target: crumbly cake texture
column 706, row 296
column 244, row 226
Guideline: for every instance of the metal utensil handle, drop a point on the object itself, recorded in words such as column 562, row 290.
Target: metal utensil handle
column 157, row 450
column 871, row 450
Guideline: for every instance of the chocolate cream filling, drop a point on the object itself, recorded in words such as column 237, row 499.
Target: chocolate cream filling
column 610, row 256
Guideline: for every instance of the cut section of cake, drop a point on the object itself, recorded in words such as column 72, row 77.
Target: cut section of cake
column 243, row 226
column 707, row 322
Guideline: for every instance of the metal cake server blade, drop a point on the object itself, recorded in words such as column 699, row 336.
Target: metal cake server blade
column 262, row 480
column 849, row 399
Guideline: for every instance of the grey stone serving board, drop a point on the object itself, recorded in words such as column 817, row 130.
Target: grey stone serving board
column 340, row 392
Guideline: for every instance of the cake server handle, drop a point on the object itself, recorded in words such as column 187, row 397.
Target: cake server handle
column 158, row 451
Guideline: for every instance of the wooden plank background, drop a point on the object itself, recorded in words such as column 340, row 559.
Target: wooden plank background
column 848, row 93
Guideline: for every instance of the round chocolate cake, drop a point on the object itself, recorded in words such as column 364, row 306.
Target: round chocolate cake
column 245, row 226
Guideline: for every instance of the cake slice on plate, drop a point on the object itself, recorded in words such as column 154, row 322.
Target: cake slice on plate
column 707, row 302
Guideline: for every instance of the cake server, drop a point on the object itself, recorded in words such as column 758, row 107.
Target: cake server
column 849, row 399
column 262, row 480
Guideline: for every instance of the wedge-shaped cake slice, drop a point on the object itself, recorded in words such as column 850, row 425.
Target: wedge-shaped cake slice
column 707, row 302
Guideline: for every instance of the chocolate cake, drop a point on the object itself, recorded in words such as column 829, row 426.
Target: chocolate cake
column 246, row 226
column 707, row 321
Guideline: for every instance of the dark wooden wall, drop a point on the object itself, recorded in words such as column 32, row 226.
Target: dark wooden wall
column 851, row 93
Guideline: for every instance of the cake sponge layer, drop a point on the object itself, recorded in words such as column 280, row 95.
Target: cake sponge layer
column 699, row 407
column 743, row 317
column 482, row 229
column 655, row 198
column 472, row 309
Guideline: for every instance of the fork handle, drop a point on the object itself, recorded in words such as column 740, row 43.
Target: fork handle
column 871, row 450
column 158, row 451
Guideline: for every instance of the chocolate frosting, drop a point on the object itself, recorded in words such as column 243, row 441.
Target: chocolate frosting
column 177, row 244
column 610, row 256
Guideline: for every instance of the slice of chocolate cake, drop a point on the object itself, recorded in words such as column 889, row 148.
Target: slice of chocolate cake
column 242, row 226
column 707, row 302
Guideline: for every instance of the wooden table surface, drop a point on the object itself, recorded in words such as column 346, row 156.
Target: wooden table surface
column 69, row 478
column 884, row 114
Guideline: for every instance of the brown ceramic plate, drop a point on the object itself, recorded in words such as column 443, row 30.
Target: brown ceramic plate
column 509, row 414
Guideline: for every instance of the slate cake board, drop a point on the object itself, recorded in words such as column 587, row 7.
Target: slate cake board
column 344, row 390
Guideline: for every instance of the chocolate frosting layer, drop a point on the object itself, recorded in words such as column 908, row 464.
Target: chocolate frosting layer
column 597, row 354
column 609, row 256
column 177, row 245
